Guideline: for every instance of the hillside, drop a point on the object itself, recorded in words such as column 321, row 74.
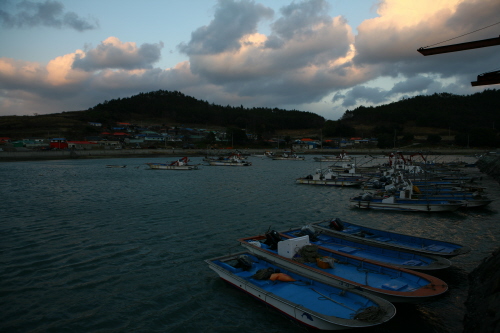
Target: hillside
column 469, row 119
column 443, row 111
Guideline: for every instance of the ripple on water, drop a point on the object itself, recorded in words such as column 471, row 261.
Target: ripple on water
column 123, row 249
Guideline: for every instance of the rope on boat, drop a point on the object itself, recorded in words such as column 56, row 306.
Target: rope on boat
column 308, row 253
column 370, row 314
column 334, row 301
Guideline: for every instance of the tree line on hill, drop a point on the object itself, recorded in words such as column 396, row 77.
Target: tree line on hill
column 472, row 118
column 174, row 106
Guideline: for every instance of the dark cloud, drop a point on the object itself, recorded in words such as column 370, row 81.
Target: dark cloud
column 416, row 84
column 364, row 94
column 49, row 14
column 233, row 19
column 299, row 18
column 112, row 53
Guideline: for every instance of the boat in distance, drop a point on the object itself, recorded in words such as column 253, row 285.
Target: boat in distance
column 388, row 239
column 180, row 164
column 367, row 201
column 399, row 258
column 394, row 284
column 329, row 178
column 232, row 160
column 311, row 303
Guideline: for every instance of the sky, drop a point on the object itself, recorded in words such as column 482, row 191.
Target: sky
column 321, row 56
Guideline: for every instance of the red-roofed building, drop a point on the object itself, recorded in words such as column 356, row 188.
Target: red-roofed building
column 58, row 143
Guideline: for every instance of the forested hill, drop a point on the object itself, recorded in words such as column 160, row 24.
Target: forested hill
column 173, row 106
column 443, row 110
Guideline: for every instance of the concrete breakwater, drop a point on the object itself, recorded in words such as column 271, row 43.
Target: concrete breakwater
column 483, row 301
column 24, row 154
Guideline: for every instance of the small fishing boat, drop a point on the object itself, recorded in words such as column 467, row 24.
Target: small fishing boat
column 328, row 240
column 289, row 156
column 181, row 164
column 311, row 303
column 115, row 166
column 267, row 153
column 391, row 202
column 391, row 240
column 231, row 160
column 344, row 270
column 470, row 200
column 410, row 193
column 329, row 178
column 342, row 157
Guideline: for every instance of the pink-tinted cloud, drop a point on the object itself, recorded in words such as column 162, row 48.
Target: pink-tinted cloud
column 307, row 57
column 113, row 53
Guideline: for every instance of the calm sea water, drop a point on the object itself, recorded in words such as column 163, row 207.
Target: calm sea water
column 85, row 248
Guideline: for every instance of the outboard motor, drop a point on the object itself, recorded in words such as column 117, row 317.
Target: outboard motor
column 366, row 197
column 337, row 224
column 308, row 230
column 272, row 239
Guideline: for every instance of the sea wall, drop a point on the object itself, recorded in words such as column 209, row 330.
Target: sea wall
column 483, row 301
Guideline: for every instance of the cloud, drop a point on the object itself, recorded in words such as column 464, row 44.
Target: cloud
column 411, row 85
column 390, row 41
column 302, row 58
column 49, row 14
column 232, row 21
column 362, row 93
column 308, row 59
column 112, row 53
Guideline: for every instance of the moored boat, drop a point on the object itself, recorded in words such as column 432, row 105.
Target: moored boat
column 328, row 178
column 388, row 239
column 344, row 270
column 312, row 303
column 115, row 166
column 231, row 160
column 289, row 157
column 395, row 257
column 342, row 157
column 181, row 164
column 368, row 201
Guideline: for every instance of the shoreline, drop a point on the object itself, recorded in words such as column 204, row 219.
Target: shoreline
column 16, row 156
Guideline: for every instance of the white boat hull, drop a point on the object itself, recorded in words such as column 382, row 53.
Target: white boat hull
column 216, row 163
column 159, row 166
column 289, row 158
column 330, row 278
column 296, row 311
column 416, row 207
column 328, row 182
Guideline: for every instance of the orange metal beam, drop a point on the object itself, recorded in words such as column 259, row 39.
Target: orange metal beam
column 460, row 47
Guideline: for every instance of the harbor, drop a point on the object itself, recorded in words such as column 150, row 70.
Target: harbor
column 100, row 248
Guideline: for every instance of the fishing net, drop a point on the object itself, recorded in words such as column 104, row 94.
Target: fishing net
column 307, row 253
column 263, row 274
column 370, row 314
